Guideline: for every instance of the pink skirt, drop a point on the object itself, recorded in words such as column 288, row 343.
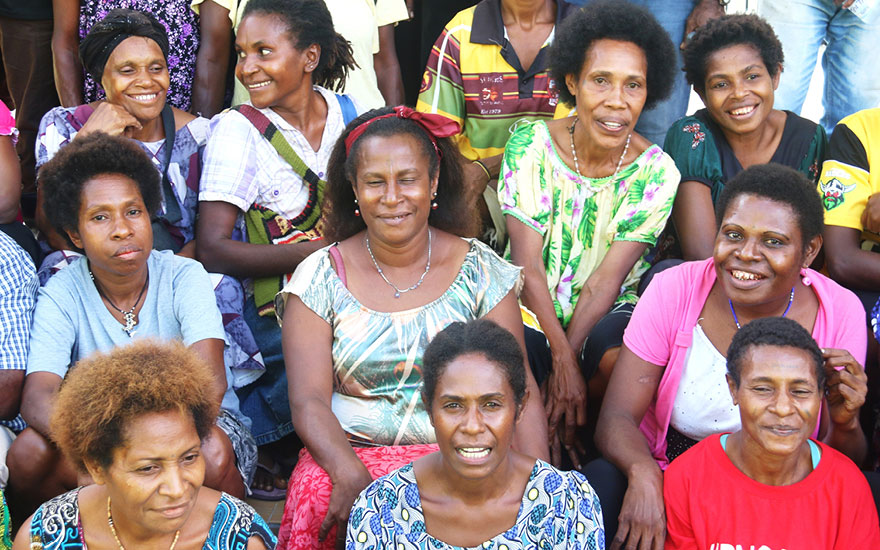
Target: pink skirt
column 308, row 496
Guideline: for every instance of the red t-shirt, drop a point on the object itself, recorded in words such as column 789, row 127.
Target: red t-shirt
column 712, row 505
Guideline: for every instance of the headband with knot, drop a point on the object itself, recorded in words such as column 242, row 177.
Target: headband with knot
column 436, row 126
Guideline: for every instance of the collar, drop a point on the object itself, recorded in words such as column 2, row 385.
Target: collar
column 488, row 26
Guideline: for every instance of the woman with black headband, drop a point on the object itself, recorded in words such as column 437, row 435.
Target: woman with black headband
column 359, row 313
column 127, row 52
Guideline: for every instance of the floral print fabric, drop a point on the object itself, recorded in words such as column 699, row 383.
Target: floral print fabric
column 578, row 217
column 559, row 510
column 182, row 25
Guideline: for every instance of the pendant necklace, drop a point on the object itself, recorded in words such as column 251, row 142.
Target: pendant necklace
column 116, row 537
column 399, row 291
column 784, row 313
column 128, row 316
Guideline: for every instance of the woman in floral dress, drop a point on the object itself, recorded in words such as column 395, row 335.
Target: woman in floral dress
column 585, row 197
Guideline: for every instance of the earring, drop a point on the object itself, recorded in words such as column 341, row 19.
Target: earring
column 806, row 277
column 434, row 204
column 357, row 212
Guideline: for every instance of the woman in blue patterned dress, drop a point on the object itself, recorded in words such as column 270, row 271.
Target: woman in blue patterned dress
column 476, row 491
column 135, row 420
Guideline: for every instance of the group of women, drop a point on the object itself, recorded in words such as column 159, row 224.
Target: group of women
column 405, row 353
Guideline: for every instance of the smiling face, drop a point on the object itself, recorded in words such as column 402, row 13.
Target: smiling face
column 269, row 65
column 778, row 398
column 759, row 251
column 739, row 89
column 136, row 78
column 113, row 225
column 155, row 476
column 393, row 186
column 610, row 90
column 474, row 414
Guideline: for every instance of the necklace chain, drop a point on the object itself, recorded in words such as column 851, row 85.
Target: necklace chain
column 116, row 537
column 784, row 313
column 128, row 316
column 399, row 291
column 574, row 154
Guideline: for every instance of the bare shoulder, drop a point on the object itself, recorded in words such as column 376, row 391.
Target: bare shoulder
column 638, row 145
column 181, row 118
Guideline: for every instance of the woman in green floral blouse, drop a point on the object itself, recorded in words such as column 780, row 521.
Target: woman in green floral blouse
column 584, row 199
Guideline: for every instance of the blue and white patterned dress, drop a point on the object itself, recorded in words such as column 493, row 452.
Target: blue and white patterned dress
column 559, row 510
column 56, row 525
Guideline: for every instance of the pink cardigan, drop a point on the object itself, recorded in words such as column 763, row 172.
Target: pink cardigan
column 661, row 331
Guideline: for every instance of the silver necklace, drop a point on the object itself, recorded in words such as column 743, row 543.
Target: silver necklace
column 399, row 291
column 128, row 316
column 575, row 155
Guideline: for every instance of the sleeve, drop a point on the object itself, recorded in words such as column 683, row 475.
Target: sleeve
column 497, row 278
column 812, row 161
column 587, row 531
column 7, row 123
column 390, row 11
column 523, row 191
column 261, row 529
column 690, row 144
column 366, row 530
column 195, row 306
column 844, row 184
column 318, row 296
column 230, row 167
column 650, row 332
column 442, row 89
column 845, row 320
column 648, row 202
column 679, row 532
column 18, row 290
column 53, row 334
column 55, row 132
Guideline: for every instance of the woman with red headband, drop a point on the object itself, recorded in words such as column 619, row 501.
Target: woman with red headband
column 359, row 313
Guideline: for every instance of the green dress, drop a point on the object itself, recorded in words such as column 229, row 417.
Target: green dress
column 578, row 217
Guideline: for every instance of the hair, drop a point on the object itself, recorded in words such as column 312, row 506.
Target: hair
column 773, row 331
column 613, row 20
column 456, row 211
column 119, row 24
column 779, row 184
column 726, row 31
column 309, row 22
column 62, row 179
column 481, row 336
column 104, row 393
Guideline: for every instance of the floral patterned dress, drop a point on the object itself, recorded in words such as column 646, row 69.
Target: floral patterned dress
column 578, row 217
column 558, row 510
column 182, row 25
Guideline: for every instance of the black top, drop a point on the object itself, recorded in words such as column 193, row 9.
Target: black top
column 26, row 9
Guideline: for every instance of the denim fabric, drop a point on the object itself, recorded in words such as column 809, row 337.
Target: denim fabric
column 850, row 61
column 672, row 15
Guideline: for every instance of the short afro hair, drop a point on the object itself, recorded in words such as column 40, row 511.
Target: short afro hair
column 480, row 336
column 773, row 331
column 62, row 179
column 613, row 20
column 780, row 184
column 726, row 31
column 456, row 210
column 104, row 393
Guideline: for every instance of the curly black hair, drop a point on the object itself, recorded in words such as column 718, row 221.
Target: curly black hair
column 613, row 20
column 62, row 179
column 456, row 210
column 105, row 392
column 480, row 336
column 773, row 331
column 779, row 184
column 309, row 22
column 726, row 31
column 117, row 25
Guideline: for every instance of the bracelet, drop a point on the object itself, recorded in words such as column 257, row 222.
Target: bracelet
column 483, row 166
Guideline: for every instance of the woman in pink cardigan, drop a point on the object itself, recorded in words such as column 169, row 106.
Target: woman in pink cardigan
column 668, row 389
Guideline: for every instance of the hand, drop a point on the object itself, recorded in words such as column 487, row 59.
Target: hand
column 566, row 403
column 702, row 12
column 642, row 519
column 871, row 214
column 345, row 490
column 110, row 119
column 846, row 386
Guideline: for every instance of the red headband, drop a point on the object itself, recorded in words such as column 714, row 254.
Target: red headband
column 434, row 125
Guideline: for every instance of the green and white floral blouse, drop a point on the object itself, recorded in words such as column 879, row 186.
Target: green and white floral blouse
column 580, row 217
